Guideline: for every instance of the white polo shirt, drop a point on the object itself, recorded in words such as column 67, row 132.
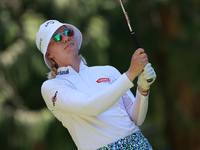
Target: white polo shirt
column 90, row 105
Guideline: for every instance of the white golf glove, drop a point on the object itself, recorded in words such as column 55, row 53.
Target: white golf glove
column 147, row 74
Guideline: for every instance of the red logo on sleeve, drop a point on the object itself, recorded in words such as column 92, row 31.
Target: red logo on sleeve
column 54, row 98
column 103, row 80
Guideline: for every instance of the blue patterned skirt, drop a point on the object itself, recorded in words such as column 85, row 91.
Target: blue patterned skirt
column 135, row 141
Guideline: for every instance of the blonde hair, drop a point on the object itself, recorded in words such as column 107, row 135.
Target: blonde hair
column 54, row 67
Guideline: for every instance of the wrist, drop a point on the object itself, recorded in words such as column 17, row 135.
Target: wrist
column 143, row 91
column 130, row 76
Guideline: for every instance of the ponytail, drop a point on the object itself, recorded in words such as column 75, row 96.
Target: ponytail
column 54, row 67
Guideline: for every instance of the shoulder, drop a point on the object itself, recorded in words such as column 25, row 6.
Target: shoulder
column 103, row 68
column 51, row 83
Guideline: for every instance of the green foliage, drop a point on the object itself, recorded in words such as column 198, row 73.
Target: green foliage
column 169, row 31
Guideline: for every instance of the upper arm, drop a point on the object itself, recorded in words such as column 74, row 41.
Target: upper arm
column 66, row 98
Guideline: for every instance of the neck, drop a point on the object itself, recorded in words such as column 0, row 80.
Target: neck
column 73, row 62
column 76, row 63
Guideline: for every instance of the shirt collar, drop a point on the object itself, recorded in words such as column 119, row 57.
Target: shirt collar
column 61, row 71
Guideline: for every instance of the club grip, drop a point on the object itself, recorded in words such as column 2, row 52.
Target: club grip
column 137, row 45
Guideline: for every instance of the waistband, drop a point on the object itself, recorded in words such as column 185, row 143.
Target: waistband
column 135, row 141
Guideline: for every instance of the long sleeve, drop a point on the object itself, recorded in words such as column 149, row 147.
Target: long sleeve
column 73, row 101
column 136, row 106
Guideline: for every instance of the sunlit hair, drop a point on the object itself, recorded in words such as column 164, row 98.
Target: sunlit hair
column 83, row 59
column 54, row 67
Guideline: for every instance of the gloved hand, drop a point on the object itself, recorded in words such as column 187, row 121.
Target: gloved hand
column 148, row 73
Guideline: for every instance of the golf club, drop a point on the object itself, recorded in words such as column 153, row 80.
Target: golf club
column 131, row 30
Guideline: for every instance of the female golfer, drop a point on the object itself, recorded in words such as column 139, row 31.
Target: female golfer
column 95, row 103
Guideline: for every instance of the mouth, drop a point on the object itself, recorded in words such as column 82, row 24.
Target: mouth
column 69, row 45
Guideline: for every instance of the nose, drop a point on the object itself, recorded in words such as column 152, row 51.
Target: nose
column 65, row 38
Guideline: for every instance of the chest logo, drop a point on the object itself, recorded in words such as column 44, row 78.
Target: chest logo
column 103, row 80
column 62, row 72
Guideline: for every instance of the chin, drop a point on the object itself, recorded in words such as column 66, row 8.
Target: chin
column 73, row 50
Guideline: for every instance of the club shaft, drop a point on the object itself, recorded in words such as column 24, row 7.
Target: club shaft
column 129, row 25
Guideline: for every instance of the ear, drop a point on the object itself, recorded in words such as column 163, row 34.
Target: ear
column 48, row 55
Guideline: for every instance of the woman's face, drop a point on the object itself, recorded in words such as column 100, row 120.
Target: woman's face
column 65, row 50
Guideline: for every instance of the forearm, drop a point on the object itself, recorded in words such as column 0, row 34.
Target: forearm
column 143, row 107
column 136, row 108
column 105, row 99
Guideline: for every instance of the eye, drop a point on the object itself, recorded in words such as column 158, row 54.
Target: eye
column 69, row 32
column 57, row 38
column 66, row 32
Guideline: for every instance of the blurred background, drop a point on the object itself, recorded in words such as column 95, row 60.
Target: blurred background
column 168, row 30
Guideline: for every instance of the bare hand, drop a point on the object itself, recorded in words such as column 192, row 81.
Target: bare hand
column 138, row 61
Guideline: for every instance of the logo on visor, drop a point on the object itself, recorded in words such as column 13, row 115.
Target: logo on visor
column 40, row 45
column 103, row 80
column 49, row 22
